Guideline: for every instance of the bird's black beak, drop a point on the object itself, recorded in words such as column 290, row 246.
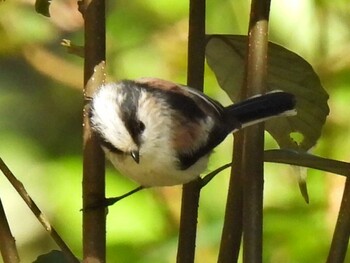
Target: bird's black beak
column 136, row 156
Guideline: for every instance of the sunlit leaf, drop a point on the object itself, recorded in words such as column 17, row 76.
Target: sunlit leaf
column 42, row 7
column 286, row 71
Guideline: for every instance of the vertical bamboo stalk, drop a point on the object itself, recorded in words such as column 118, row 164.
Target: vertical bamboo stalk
column 233, row 225
column 245, row 196
column 253, row 151
column 195, row 79
column 94, row 223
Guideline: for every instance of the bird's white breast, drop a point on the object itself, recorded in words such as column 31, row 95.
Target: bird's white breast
column 156, row 170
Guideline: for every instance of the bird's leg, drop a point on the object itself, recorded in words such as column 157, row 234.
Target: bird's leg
column 112, row 200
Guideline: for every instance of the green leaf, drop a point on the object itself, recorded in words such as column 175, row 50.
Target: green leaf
column 54, row 256
column 42, row 7
column 286, row 71
column 307, row 160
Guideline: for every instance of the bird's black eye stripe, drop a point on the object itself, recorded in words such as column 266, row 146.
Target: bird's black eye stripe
column 130, row 108
column 105, row 143
column 110, row 146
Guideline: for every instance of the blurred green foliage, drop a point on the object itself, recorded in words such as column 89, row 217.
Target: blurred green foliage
column 40, row 126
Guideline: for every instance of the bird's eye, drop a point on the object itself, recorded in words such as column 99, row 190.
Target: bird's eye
column 141, row 126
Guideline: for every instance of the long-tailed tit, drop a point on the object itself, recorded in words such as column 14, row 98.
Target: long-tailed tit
column 159, row 133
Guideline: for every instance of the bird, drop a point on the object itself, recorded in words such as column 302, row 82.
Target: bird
column 159, row 133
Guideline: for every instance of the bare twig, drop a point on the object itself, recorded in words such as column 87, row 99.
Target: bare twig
column 36, row 211
column 195, row 78
column 8, row 247
column 94, row 223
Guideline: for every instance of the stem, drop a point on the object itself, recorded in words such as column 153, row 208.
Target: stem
column 8, row 247
column 196, row 44
column 245, row 196
column 94, row 223
column 188, row 222
column 195, row 79
column 253, row 152
column 232, row 229
column 341, row 235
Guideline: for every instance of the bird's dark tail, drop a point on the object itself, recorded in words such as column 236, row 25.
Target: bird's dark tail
column 262, row 107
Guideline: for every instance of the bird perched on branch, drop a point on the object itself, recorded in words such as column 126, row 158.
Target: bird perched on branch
column 159, row 133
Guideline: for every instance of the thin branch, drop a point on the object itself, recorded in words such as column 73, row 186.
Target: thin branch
column 195, row 79
column 94, row 223
column 341, row 235
column 307, row 160
column 36, row 211
column 207, row 178
column 8, row 247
